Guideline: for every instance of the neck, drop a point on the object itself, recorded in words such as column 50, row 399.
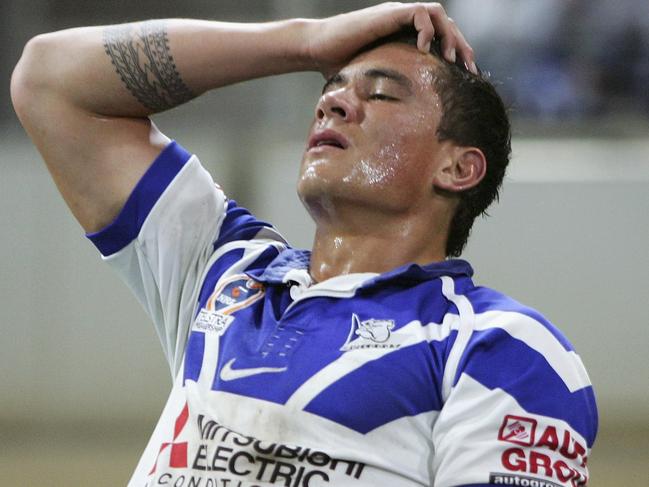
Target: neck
column 375, row 246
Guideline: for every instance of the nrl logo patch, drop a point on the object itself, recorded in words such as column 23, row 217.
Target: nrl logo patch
column 372, row 333
column 229, row 295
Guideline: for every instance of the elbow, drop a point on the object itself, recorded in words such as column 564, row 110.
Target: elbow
column 33, row 74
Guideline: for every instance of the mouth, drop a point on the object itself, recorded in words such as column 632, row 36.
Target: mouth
column 327, row 138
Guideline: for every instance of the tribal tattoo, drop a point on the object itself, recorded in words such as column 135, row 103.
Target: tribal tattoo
column 142, row 58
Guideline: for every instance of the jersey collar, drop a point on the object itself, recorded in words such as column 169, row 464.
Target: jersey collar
column 291, row 260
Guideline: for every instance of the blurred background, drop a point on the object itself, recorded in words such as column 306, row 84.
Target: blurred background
column 83, row 378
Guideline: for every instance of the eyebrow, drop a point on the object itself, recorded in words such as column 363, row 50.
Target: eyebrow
column 374, row 73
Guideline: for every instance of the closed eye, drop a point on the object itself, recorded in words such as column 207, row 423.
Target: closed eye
column 381, row 97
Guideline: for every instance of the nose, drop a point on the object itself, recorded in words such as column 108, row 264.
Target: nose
column 338, row 104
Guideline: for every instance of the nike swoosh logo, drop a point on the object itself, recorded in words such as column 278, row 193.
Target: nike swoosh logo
column 228, row 373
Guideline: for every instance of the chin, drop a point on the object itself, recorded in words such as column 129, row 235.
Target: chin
column 311, row 188
column 318, row 176
column 320, row 195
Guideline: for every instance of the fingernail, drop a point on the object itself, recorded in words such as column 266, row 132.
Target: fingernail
column 451, row 55
column 474, row 68
column 427, row 47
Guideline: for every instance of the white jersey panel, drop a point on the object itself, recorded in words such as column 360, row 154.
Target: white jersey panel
column 163, row 266
column 566, row 363
column 483, row 436
column 209, row 433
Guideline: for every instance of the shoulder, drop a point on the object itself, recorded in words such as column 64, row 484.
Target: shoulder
column 513, row 349
column 495, row 322
column 496, row 311
column 513, row 336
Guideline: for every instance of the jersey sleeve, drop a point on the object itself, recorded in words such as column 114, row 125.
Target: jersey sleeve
column 162, row 240
column 521, row 410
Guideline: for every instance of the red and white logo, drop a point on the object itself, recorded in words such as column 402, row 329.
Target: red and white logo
column 518, row 430
column 178, row 450
column 555, row 452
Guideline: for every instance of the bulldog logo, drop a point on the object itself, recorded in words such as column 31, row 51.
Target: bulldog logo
column 376, row 330
column 372, row 333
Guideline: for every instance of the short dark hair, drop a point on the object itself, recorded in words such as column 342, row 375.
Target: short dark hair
column 473, row 115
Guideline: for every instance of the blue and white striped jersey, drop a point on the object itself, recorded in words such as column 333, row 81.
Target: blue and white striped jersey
column 415, row 377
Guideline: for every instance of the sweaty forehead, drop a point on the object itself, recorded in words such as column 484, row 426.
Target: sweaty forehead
column 418, row 67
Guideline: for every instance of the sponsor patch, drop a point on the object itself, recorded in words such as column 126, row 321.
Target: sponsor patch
column 212, row 321
column 222, row 457
column 176, row 450
column 549, row 451
column 508, row 479
column 518, row 430
column 230, row 295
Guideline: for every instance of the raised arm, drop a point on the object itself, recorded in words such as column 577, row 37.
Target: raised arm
column 84, row 95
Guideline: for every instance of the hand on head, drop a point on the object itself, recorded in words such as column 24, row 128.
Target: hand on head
column 335, row 40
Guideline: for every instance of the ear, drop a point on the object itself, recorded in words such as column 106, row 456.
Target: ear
column 462, row 169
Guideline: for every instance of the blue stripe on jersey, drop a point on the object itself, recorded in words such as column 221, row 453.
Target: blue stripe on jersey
column 128, row 223
column 413, row 273
column 194, row 353
column 366, row 398
column 257, row 339
column 485, row 299
column 238, row 224
column 315, row 329
column 221, row 265
column 261, row 262
column 497, row 360
column 195, row 349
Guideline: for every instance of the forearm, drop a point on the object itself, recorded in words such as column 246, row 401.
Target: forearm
column 142, row 68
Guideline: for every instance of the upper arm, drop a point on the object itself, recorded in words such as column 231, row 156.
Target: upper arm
column 94, row 160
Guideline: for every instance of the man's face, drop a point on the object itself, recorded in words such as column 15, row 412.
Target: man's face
column 373, row 141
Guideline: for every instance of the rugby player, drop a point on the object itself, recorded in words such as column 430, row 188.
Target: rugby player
column 371, row 360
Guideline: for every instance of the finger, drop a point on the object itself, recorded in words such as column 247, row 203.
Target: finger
column 469, row 58
column 465, row 51
column 425, row 29
column 448, row 44
column 444, row 28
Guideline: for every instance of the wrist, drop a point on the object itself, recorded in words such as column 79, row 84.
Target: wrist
column 297, row 44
